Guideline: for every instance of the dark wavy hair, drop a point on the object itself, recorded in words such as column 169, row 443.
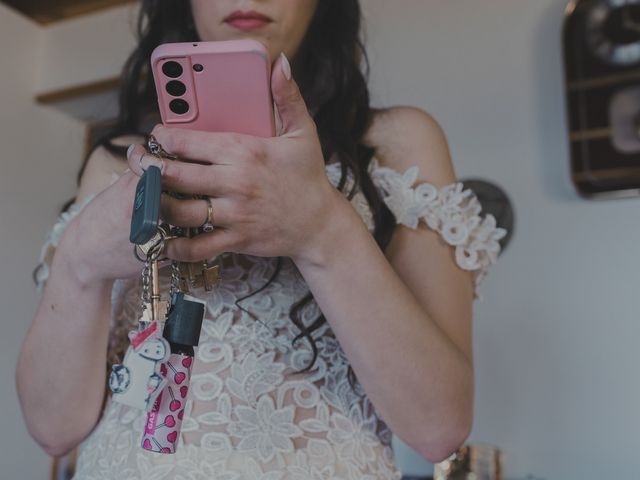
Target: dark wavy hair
column 329, row 70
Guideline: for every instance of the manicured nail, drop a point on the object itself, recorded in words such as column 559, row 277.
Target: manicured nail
column 286, row 67
column 130, row 149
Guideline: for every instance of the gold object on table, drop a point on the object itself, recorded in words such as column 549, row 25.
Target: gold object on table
column 472, row 462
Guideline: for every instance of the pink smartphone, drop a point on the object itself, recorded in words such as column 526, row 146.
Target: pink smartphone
column 222, row 86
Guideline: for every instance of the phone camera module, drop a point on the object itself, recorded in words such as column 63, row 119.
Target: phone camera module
column 176, row 88
column 172, row 69
column 179, row 107
column 198, row 67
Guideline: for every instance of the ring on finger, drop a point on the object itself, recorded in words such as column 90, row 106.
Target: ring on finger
column 158, row 150
column 207, row 226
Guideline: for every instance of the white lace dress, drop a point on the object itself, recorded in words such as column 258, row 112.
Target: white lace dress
column 249, row 415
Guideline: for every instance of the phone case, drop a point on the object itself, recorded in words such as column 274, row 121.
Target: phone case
column 219, row 86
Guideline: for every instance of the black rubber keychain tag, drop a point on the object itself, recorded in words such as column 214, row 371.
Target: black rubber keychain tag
column 145, row 218
column 146, row 206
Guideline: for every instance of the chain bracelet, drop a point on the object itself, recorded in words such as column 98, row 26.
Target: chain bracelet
column 146, row 282
column 175, row 278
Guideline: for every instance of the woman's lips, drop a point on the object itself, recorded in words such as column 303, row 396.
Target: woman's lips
column 247, row 23
column 247, row 20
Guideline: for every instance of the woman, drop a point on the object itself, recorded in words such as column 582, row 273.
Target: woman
column 327, row 271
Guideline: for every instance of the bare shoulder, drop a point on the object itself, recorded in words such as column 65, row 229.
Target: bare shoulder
column 103, row 166
column 406, row 136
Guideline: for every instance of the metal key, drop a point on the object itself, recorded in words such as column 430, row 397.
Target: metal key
column 152, row 307
column 196, row 274
column 164, row 233
column 158, row 308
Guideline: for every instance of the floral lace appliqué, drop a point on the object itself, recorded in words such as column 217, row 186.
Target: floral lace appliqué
column 451, row 211
column 53, row 239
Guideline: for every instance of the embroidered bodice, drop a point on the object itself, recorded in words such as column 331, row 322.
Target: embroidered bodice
column 249, row 414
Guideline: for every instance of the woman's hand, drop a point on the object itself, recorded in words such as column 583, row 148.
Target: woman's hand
column 270, row 196
column 96, row 243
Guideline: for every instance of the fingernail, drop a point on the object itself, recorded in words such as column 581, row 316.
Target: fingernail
column 286, row 67
column 130, row 149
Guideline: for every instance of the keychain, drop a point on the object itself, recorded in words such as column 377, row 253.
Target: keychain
column 139, row 380
column 182, row 331
column 156, row 370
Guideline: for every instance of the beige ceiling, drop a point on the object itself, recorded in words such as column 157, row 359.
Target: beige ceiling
column 47, row 11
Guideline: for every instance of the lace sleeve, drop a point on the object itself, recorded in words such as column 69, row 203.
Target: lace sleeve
column 451, row 211
column 41, row 273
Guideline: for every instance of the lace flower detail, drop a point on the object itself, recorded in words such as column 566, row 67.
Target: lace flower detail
column 265, row 430
column 254, row 472
column 317, row 465
column 53, row 239
column 451, row 211
column 353, row 437
column 257, row 335
column 359, row 201
column 255, row 376
column 229, row 289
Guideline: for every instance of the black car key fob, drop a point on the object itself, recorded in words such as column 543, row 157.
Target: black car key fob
column 146, row 207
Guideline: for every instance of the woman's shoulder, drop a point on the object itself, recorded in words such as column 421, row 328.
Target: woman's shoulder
column 407, row 136
column 103, row 166
column 108, row 160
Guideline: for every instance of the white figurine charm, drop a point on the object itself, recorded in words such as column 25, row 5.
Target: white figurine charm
column 138, row 380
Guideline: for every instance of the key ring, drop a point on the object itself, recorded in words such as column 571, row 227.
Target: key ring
column 154, row 250
column 154, row 247
column 156, row 156
column 156, row 149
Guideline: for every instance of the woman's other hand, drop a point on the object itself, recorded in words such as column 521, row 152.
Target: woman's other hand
column 95, row 245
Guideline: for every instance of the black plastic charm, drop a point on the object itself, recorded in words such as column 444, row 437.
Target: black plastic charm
column 146, row 207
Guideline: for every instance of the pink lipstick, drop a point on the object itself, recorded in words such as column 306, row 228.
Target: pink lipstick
column 247, row 20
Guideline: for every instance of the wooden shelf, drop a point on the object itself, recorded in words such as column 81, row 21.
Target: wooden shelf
column 48, row 11
column 91, row 103
column 93, row 88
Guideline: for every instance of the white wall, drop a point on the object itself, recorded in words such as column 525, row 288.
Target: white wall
column 36, row 147
column 555, row 337
column 41, row 153
column 93, row 47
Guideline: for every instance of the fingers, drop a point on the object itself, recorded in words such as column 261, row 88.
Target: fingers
column 288, row 99
column 214, row 148
column 139, row 159
column 193, row 212
column 182, row 177
column 202, row 247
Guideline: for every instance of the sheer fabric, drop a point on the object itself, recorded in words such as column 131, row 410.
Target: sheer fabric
column 249, row 414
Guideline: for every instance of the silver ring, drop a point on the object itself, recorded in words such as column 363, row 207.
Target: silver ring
column 207, row 226
column 156, row 149
column 154, row 156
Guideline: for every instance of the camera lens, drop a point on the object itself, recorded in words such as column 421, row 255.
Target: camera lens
column 172, row 69
column 198, row 67
column 176, row 88
column 179, row 107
